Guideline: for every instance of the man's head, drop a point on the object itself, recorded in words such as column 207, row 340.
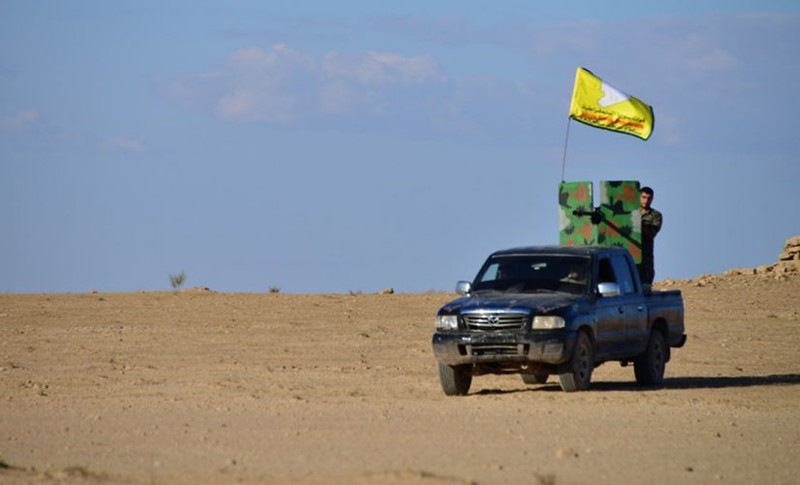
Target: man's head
column 575, row 273
column 646, row 197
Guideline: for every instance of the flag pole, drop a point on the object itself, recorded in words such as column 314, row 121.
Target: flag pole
column 566, row 140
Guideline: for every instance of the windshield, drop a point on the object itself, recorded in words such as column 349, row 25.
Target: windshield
column 532, row 273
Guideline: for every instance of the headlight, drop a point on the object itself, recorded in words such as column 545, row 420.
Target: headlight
column 547, row 322
column 446, row 322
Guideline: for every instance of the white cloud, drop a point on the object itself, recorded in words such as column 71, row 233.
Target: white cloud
column 675, row 63
column 263, row 85
column 376, row 68
column 20, row 121
column 278, row 60
column 281, row 85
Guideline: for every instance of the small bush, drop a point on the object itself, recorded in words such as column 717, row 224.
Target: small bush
column 274, row 289
column 177, row 280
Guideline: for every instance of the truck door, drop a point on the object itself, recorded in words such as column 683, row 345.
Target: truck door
column 617, row 313
column 634, row 304
column 610, row 328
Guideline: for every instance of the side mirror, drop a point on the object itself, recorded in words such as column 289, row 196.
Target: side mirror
column 608, row 289
column 463, row 287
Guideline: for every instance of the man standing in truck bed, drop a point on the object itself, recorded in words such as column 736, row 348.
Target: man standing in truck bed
column 651, row 224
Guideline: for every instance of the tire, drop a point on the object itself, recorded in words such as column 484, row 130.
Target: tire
column 577, row 373
column 536, row 377
column 649, row 366
column 455, row 380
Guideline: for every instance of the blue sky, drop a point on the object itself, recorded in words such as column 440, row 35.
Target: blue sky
column 357, row 145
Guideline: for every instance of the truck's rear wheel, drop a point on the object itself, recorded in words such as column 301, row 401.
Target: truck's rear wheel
column 649, row 367
column 535, row 377
column 577, row 373
column 456, row 379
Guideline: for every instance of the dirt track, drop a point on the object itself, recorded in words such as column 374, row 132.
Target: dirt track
column 272, row 388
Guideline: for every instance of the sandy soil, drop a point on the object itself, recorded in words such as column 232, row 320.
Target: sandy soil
column 197, row 386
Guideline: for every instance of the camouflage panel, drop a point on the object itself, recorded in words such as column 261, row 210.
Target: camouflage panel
column 621, row 221
column 575, row 226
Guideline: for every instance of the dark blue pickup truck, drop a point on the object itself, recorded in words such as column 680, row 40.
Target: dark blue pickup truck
column 538, row 311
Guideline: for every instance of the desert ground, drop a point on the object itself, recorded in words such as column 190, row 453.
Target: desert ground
column 196, row 386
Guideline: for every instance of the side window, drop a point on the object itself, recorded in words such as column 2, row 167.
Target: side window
column 491, row 273
column 623, row 272
column 605, row 272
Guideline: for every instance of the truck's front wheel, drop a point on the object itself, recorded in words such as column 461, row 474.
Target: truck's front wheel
column 577, row 373
column 649, row 367
column 455, row 379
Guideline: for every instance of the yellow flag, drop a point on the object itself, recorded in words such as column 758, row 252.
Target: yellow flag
column 601, row 105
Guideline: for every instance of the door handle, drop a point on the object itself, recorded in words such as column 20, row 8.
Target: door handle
column 621, row 310
column 640, row 308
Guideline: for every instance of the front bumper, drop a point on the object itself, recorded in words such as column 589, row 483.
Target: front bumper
column 456, row 348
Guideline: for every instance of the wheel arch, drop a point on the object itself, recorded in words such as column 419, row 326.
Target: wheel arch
column 589, row 330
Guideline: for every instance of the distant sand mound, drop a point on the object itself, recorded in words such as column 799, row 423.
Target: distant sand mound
column 786, row 267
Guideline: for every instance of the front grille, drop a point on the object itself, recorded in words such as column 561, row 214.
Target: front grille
column 496, row 349
column 478, row 350
column 492, row 322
